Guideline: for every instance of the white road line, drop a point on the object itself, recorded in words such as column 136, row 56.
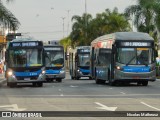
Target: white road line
column 110, row 88
column 60, row 90
column 150, row 106
column 102, row 95
column 123, row 93
column 61, row 95
column 104, row 107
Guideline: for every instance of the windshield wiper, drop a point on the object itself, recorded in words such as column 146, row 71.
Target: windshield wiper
column 130, row 61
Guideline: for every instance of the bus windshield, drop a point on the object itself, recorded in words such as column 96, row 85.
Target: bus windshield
column 84, row 59
column 25, row 57
column 135, row 56
column 55, row 59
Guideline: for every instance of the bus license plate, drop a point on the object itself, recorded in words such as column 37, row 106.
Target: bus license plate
column 27, row 79
column 136, row 77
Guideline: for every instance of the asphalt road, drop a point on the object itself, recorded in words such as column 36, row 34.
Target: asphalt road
column 81, row 95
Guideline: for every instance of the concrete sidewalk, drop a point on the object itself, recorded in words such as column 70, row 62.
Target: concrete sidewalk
column 2, row 79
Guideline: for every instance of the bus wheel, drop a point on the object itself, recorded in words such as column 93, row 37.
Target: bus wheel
column 40, row 84
column 90, row 78
column 77, row 78
column 11, row 85
column 59, row 80
column 111, row 83
column 72, row 77
column 34, row 84
column 145, row 83
column 98, row 81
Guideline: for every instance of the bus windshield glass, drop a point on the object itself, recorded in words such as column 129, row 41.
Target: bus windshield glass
column 135, row 56
column 25, row 57
column 84, row 59
column 55, row 59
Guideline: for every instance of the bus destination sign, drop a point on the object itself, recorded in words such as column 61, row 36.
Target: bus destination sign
column 136, row 44
column 24, row 44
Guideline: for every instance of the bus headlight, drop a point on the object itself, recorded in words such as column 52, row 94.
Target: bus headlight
column 43, row 71
column 118, row 68
column 10, row 73
column 62, row 71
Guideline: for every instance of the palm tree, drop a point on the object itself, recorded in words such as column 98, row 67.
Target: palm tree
column 7, row 19
column 80, row 29
column 104, row 23
column 146, row 15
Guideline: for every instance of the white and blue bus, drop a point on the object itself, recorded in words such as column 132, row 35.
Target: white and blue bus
column 25, row 62
column 123, row 57
column 79, row 62
column 55, row 62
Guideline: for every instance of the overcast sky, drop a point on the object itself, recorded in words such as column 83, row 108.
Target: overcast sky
column 42, row 19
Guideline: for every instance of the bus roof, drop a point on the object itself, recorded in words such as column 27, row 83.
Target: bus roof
column 24, row 40
column 132, row 36
column 123, row 36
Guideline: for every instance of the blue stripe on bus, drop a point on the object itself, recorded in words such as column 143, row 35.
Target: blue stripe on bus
column 84, row 70
column 135, row 69
column 27, row 74
column 53, row 71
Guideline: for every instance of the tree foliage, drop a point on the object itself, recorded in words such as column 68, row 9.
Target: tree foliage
column 146, row 15
column 7, row 19
column 66, row 42
column 85, row 28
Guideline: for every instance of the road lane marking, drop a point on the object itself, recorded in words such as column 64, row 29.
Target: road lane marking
column 60, row 90
column 13, row 107
column 110, row 88
column 104, row 107
column 123, row 93
column 62, row 95
column 116, row 95
column 72, row 86
column 150, row 106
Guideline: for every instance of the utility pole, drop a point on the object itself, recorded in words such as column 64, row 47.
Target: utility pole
column 63, row 25
column 68, row 22
column 86, row 18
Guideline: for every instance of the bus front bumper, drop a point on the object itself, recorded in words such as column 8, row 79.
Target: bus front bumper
column 14, row 79
column 54, row 76
column 128, row 76
column 81, row 74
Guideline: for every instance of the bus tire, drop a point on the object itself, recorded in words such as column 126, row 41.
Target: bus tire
column 77, row 78
column 59, row 80
column 112, row 83
column 145, row 83
column 97, row 81
column 72, row 77
column 12, row 85
column 40, row 84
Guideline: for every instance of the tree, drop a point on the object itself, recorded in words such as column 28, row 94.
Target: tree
column 7, row 19
column 81, row 29
column 85, row 28
column 146, row 16
column 66, row 42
